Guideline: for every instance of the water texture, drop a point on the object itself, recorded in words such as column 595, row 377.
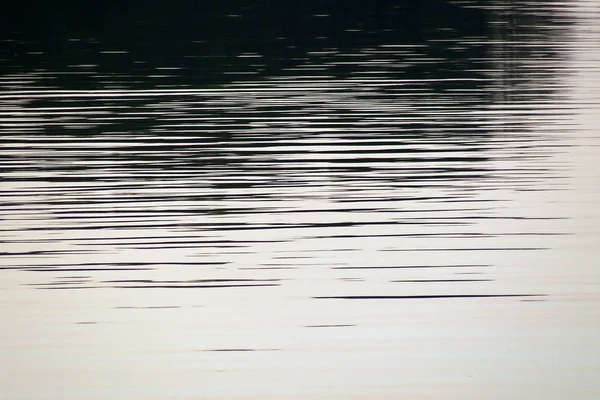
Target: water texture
column 381, row 202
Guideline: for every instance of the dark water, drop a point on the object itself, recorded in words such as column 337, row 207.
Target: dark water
column 374, row 202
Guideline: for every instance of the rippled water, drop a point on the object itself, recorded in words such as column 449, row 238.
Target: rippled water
column 390, row 219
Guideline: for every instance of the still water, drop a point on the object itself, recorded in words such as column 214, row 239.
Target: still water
column 368, row 215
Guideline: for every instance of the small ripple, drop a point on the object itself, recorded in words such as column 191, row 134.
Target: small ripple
column 427, row 296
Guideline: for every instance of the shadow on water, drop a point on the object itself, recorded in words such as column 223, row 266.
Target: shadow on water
column 221, row 41
column 378, row 138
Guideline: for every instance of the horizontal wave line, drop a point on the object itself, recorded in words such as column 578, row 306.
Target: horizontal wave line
column 427, row 296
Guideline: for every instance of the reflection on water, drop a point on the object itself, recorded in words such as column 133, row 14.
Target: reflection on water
column 433, row 176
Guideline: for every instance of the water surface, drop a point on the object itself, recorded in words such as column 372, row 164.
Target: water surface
column 360, row 210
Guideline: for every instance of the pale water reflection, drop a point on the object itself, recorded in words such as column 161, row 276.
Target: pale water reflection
column 390, row 219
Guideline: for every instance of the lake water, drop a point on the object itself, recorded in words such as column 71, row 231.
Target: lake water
column 338, row 204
